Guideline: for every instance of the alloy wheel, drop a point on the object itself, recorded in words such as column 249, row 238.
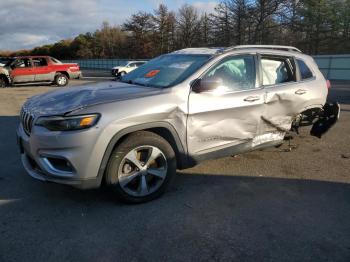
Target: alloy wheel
column 142, row 171
column 62, row 80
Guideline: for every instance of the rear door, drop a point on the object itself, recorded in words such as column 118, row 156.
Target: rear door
column 22, row 70
column 227, row 118
column 286, row 96
column 43, row 70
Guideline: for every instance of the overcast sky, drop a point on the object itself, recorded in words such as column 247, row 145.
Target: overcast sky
column 28, row 23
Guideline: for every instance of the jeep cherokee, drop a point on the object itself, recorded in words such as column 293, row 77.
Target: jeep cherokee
column 175, row 111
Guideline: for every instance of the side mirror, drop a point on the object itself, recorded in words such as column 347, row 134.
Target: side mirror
column 202, row 85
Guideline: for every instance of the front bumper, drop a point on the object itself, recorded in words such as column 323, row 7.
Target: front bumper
column 37, row 150
column 114, row 72
column 75, row 75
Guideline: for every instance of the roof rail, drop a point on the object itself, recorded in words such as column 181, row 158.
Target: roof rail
column 276, row 47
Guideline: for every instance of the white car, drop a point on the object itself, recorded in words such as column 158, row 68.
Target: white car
column 119, row 71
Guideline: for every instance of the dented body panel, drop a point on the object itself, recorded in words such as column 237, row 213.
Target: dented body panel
column 217, row 121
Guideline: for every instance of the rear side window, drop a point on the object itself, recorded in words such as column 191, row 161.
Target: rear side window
column 40, row 62
column 305, row 71
column 55, row 61
column 277, row 70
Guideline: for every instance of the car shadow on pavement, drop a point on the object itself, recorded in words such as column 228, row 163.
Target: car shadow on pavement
column 202, row 217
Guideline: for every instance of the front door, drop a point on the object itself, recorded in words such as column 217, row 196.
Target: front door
column 22, row 71
column 42, row 70
column 228, row 117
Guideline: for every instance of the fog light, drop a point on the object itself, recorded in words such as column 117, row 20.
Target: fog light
column 59, row 164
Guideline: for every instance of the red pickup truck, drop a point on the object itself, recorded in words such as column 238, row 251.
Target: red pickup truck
column 37, row 69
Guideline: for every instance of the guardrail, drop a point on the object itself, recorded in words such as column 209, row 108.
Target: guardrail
column 333, row 67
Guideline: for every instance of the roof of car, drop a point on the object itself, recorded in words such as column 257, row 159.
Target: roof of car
column 33, row 56
column 199, row 51
column 270, row 47
column 220, row 50
column 137, row 62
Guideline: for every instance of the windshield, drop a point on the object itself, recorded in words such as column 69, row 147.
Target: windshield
column 55, row 61
column 9, row 62
column 166, row 70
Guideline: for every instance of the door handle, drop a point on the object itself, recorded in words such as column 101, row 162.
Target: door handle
column 251, row 98
column 300, row 92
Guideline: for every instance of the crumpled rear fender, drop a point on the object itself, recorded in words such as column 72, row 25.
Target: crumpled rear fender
column 322, row 119
column 326, row 119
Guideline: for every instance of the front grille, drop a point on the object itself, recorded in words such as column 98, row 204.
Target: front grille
column 26, row 120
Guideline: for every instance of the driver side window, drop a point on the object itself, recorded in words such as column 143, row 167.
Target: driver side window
column 236, row 73
column 22, row 63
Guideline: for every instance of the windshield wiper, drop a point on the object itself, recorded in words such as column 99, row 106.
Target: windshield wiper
column 131, row 82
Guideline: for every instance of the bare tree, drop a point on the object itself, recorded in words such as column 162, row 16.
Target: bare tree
column 315, row 26
column 221, row 24
column 188, row 24
column 139, row 27
column 164, row 25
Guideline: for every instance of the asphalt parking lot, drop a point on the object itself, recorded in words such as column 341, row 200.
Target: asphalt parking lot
column 271, row 205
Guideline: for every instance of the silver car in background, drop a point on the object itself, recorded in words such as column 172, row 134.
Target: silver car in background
column 119, row 71
column 172, row 113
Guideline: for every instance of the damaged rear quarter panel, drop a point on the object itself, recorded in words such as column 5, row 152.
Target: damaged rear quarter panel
column 284, row 102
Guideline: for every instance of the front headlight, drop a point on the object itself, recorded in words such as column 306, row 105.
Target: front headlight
column 69, row 123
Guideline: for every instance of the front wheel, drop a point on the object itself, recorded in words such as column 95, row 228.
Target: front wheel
column 141, row 167
column 121, row 74
column 61, row 80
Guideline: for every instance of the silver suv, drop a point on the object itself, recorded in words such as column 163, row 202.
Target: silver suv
column 171, row 113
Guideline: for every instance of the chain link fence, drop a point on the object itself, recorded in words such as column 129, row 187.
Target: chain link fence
column 103, row 64
column 333, row 67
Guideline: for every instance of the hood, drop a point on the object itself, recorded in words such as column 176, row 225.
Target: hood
column 69, row 99
column 4, row 70
column 117, row 67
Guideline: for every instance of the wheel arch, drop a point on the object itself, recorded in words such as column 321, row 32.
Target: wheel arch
column 163, row 129
column 5, row 78
column 309, row 110
column 62, row 72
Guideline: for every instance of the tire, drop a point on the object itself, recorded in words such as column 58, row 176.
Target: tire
column 147, row 176
column 121, row 74
column 2, row 83
column 61, row 80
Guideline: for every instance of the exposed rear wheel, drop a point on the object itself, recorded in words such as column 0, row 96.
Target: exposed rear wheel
column 61, row 80
column 141, row 167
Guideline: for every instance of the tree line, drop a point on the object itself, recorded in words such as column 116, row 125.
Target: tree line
column 314, row 26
